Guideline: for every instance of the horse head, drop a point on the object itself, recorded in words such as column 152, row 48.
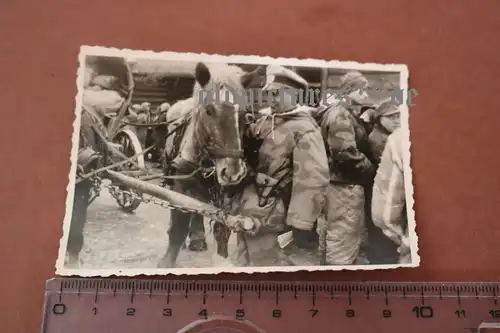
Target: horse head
column 220, row 120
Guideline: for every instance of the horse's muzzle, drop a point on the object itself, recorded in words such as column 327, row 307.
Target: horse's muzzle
column 230, row 171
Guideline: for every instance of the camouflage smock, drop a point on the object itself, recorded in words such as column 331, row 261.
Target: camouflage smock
column 347, row 146
column 288, row 188
column 291, row 172
column 351, row 171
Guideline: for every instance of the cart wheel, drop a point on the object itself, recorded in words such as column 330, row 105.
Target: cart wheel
column 130, row 145
column 127, row 199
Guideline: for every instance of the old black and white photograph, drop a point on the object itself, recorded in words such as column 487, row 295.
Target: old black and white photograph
column 192, row 163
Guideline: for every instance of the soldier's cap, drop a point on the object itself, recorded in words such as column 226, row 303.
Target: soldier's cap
column 386, row 108
column 352, row 81
column 278, row 77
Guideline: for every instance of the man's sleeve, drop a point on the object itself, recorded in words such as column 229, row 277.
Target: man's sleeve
column 310, row 181
column 341, row 140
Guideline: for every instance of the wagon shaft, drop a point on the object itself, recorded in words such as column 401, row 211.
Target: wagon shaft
column 142, row 174
column 176, row 199
column 151, row 177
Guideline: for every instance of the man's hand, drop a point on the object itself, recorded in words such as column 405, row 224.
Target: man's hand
column 240, row 223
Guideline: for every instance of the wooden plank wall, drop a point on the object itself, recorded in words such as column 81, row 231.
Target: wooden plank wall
column 159, row 90
column 384, row 84
column 171, row 89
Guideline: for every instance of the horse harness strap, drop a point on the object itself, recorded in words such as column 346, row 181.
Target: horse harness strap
column 180, row 130
column 180, row 163
column 221, row 152
column 269, row 188
column 149, row 124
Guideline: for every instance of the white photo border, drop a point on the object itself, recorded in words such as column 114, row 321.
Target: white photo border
column 86, row 50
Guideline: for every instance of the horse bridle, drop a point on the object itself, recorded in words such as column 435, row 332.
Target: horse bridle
column 222, row 152
column 214, row 152
column 217, row 152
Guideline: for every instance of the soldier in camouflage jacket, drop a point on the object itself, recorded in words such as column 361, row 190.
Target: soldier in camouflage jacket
column 291, row 175
column 351, row 172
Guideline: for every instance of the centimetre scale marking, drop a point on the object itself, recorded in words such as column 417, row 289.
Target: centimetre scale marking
column 137, row 288
column 79, row 287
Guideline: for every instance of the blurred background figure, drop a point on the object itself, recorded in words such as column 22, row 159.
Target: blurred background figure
column 146, row 107
column 162, row 112
column 143, row 118
column 159, row 133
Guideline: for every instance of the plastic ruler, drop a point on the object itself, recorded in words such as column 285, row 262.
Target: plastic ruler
column 154, row 306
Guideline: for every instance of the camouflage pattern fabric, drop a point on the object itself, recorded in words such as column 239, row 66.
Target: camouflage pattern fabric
column 340, row 239
column 347, row 146
column 292, row 168
column 351, row 172
column 289, row 189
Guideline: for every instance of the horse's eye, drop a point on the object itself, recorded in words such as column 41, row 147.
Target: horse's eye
column 210, row 110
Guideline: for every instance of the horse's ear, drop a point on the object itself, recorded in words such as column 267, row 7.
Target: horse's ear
column 248, row 78
column 202, row 74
